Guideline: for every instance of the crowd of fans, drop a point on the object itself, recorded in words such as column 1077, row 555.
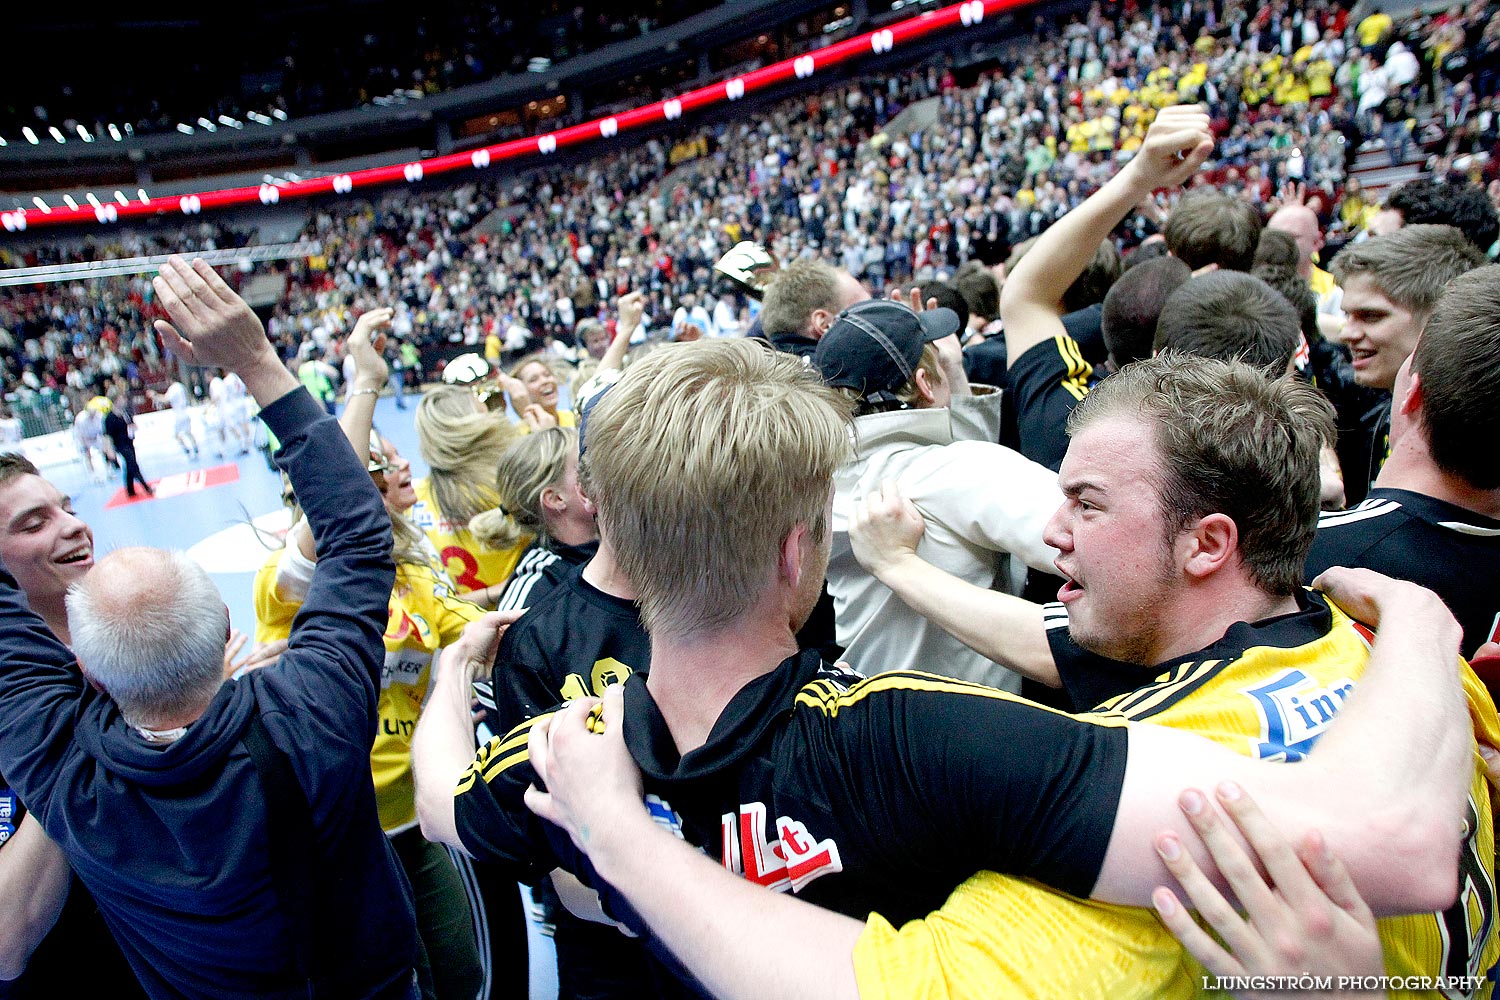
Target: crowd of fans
column 1040, row 395
column 306, row 60
column 1295, row 93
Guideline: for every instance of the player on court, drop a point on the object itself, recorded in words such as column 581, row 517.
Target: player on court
column 177, row 398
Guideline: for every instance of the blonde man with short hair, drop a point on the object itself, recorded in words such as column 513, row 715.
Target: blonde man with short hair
column 802, row 301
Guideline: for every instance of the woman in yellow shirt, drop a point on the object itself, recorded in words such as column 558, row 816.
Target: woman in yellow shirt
column 462, row 442
column 536, row 375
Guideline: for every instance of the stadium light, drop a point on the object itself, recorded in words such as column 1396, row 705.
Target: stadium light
column 258, row 118
column 39, row 203
column 208, row 126
column 278, row 114
column 68, row 200
column 145, row 198
column 2, row 141
column 120, row 197
column 129, row 129
column 56, row 134
column 114, row 133
column 232, row 123
column 83, row 134
column 89, row 197
column 185, row 128
column 30, row 135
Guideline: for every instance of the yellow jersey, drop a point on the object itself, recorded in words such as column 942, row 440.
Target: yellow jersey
column 424, row 617
column 471, row 565
column 1002, row 937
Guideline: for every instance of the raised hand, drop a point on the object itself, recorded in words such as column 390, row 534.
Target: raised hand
column 1176, row 145
column 631, row 307
column 537, row 418
column 369, row 366
column 210, row 325
column 515, row 390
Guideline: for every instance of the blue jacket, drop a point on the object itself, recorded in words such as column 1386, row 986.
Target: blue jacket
column 172, row 839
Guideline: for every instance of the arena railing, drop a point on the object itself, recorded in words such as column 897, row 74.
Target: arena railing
column 968, row 15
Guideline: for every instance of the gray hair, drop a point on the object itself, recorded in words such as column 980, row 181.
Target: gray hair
column 157, row 648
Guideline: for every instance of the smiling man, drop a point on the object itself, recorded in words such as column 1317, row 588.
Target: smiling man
column 48, row 549
column 42, row 541
column 1391, row 285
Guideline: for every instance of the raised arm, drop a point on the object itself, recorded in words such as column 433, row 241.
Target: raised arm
column 1385, row 785
column 884, row 530
column 1177, row 143
column 631, row 307
column 343, row 617
column 370, row 373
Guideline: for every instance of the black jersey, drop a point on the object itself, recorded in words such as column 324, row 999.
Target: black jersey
column 571, row 643
column 1452, row 551
column 540, row 568
column 1046, row 383
column 858, row 795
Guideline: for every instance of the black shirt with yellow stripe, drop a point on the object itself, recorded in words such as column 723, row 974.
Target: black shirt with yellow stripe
column 855, row 794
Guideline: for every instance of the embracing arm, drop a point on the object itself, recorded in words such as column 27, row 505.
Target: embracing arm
column 1031, row 302
column 884, row 529
column 695, row 907
column 1385, row 785
column 34, row 871
column 442, row 747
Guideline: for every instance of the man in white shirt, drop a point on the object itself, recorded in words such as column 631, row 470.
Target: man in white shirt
column 177, row 398
column 985, row 506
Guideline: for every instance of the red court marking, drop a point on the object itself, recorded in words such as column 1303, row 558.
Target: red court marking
column 182, row 482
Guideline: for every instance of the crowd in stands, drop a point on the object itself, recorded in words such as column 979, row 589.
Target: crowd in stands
column 1294, row 94
column 1082, row 388
column 306, row 60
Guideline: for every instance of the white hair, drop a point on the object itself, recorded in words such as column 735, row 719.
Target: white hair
column 151, row 632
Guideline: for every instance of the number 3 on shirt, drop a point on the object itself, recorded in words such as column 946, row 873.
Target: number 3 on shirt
column 469, row 579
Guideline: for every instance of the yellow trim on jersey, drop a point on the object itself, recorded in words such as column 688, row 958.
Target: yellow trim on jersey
column 1079, row 371
column 485, row 763
column 1003, row 938
column 828, row 699
column 1142, row 702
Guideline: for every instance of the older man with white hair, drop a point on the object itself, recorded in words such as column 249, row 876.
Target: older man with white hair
column 227, row 831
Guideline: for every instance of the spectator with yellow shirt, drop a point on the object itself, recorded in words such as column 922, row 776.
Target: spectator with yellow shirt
column 1374, row 29
column 462, row 442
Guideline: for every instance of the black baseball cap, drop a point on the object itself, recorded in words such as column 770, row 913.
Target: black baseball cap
column 875, row 346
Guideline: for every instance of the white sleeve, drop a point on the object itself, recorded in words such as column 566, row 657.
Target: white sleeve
column 976, row 417
column 991, row 497
column 294, row 573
